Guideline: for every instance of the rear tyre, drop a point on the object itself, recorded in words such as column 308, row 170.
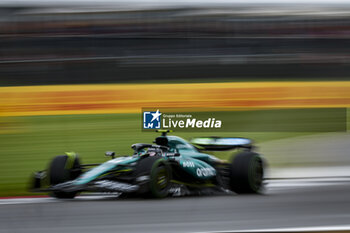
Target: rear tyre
column 247, row 172
column 62, row 170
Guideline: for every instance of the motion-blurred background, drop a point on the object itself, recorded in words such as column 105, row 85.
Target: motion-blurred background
column 115, row 41
column 74, row 75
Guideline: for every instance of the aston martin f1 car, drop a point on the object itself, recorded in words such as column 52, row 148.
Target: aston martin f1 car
column 169, row 166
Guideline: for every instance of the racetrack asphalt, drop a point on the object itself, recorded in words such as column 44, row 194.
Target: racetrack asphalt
column 286, row 203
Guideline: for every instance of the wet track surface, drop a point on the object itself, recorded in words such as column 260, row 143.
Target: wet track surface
column 290, row 203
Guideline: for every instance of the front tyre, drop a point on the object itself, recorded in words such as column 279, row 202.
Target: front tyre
column 246, row 173
column 159, row 173
column 62, row 169
column 160, row 178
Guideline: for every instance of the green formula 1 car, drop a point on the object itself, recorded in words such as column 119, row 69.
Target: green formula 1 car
column 170, row 166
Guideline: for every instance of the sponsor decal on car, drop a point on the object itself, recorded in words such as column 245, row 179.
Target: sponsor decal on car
column 188, row 164
column 117, row 186
column 205, row 171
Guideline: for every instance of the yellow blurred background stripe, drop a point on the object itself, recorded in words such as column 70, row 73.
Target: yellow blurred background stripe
column 130, row 98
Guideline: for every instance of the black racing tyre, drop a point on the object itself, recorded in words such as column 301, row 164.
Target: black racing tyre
column 247, row 173
column 59, row 173
column 160, row 178
column 159, row 173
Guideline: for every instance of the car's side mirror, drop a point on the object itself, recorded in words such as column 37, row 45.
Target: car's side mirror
column 110, row 154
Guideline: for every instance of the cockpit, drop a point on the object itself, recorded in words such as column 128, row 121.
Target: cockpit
column 174, row 143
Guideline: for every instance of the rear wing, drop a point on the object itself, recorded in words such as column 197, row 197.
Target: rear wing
column 220, row 144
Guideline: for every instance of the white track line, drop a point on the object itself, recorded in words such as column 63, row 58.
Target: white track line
column 12, row 201
column 307, row 182
column 291, row 229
